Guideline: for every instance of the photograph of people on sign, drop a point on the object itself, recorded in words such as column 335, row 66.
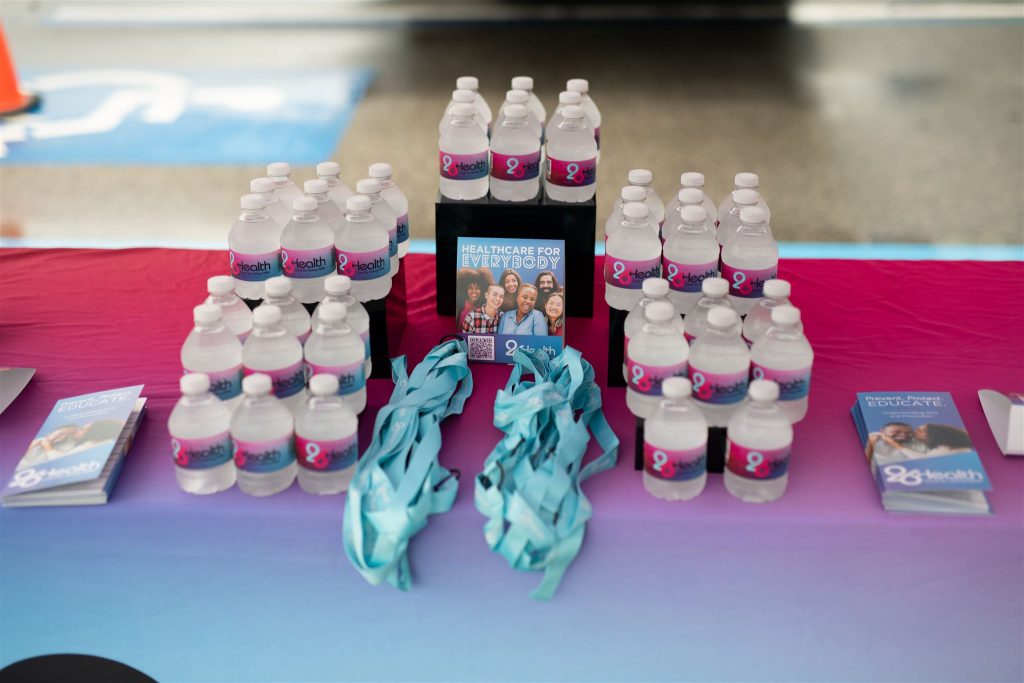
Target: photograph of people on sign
column 510, row 294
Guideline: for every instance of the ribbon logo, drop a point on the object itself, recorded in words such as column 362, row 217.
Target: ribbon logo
column 514, row 169
column 239, row 456
column 448, row 166
column 662, row 465
column 740, row 282
column 232, row 266
column 675, row 276
column 286, row 263
column 180, row 454
column 758, row 465
column 619, row 273
column 345, row 267
column 641, row 380
column 757, row 373
column 701, row 387
column 315, row 456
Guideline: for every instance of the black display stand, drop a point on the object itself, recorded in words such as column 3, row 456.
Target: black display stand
column 616, row 347
column 716, row 448
column 539, row 218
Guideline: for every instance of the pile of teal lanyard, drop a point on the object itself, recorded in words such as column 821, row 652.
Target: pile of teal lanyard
column 399, row 482
column 529, row 489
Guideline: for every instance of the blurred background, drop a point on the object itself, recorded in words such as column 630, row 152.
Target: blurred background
column 868, row 122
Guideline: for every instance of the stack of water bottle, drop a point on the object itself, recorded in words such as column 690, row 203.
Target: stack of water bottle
column 478, row 152
column 708, row 368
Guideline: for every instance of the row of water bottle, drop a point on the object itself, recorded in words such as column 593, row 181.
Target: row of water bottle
column 505, row 155
column 310, row 233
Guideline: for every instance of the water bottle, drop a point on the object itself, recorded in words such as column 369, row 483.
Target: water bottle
column 741, row 181
column 565, row 99
column 776, row 293
column 337, row 190
column 397, row 200
column 327, row 210
column 211, row 348
column 294, row 315
column 654, row 289
column 200, row 438
column 533, row 103
column 463, row 155
column 281, row 214
column 263, row 433
column 473, row 85
column 284, row 187
column 690, row 196
column 629, row 193
column 515, row 158
column 382, row 211
column 254, row 248
column 362, row 248
column 784, row 356
column 582, row 86
column 336, row 349
column 326, row 439
column 338, row 288
column 758, row 443
column 714, row 294
column 692, row 180
column 571, row 164
column 676, row 445
column 720, row 367
column 462, row 97
column 656, row 353
column 632, row 255
column 641, row 177
column 750, row 259
column 521, row 97
column 273, row 351
column 690, row 257
column 307, row 251
column 730, row 224
column 236, row 314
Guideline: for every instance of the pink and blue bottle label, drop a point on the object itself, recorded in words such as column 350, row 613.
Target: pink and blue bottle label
column 403, row 228
column 748, row 283
column 364, row 265
column 572, row 173
column 793, row 384
column 630, row 274
column 202, row 454
column 514, row 167
column 463, row 166
column 287, row 381
column 303, row 264
column 670, row 465
column 322, row 455
column 224, row 384
column 351, row 377
column 647, row 379
column 688, row 277
column 254, row 267
column 264, row 456
column 719, row 388
column 756, row 463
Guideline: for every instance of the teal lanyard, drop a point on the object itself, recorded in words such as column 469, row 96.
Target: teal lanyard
column 399, row 482
column 529, row 489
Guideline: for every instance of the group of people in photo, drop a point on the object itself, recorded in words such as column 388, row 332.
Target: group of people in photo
column 510, row 305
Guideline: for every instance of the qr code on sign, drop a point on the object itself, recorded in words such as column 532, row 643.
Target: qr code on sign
column 481, row 348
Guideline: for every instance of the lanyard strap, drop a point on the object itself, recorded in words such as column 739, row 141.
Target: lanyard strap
column 399, row 482
column 529, row 489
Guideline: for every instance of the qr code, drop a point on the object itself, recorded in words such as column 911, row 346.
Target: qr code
column 481, row 348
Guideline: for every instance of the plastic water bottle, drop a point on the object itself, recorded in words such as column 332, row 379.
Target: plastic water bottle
column 362, row 248
column 307, row 251
column 676, row 445
column 263, row 433
column 515, row 158
column 690, row 196
column 730, row 224
column 397, row 200
column 776, row 293
column 714, row 294
column 533, row 104
column 327, row 210
column 750, row 259
column 284, row 187
column 641, row 177
column 654, row 289
column 326, row 439
column 211, row 348
column 571, row 165
column 462, row 97
column 690, row 258
column 336, row 349
column 294, row 315
column 759, row 439
column 280, row 213
column 254, row 248
column 582, row 86
column 656, row 353
column 337, row 190
column 473, row 85
column 200, row 438
column 741, row 181
column 720, row 367
column 382, row 211
column 784, row 356
column 632, row 255
column 565, row 99
column 463, row 155
column 629, row 193
column 521, row 97
column 693, row 180
column 338, row 288
column 236, row 314
column 274, row 351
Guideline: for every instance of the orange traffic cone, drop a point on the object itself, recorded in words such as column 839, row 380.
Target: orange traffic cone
column 12, row 100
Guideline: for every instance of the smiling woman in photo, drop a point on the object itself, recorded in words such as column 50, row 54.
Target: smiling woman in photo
column 471, row 285
column 524, row 319
column 511, row 281
column 554, row 313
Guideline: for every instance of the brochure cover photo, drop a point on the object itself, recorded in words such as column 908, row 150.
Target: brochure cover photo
column 510, row 295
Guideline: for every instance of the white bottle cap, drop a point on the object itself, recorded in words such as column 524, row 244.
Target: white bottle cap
column 219, row 285
column 522, row 83
column 253, row 201
column 659, row 311
column 694, row 213
column 721, row 317
column 516, row 111
column 467, row 83
column 206, row 313
column 338, row 284
column 315, row 186
column 752, row 215
column 257, row 385
column 655, row 288
column 367, row 186
column 267, row 314
column 572, row 111
column 279, row 169
column 745, row 197
column 261, row 185
column 633, row 193
column 635, row 210
column 580, row 85
column 763, row 390
column 358, row 202
column 691, row 195
column 640, row 176
column 747, row 180
column 328, row 168
column 381, row 170
column 463, row 110
column 464, row 96
column 517, row 96
column 569, row 97
column 333, row 311
column 777, row 289
column 305, row 203
column 692, row 179
column 194, row 383
column 785, row 315
column 323, row 385
column 278, row 286
column 677, row 387
column 715, row 286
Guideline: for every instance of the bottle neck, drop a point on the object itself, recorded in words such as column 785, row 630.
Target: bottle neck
column 335, row 328
column 320, row 197
column 210, row 328
column 325, row 403
column 463, row 121
column 752, row 229
column 253, row 215
column 693, row 228
column 258, row 400
column 358, row 217
column 386, row 183
column 571, row 124
column 761, row 407
column 630, row 223
column 281, row 181
column 269, row 331
column 659, row 328
column 784, row 332
column 514, row 123
column 279, row 301
column 373, row 196
column 305, row 217
column 331, row 180
column 198, row 400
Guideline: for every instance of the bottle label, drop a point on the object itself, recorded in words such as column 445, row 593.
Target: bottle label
column 688, row 277
column 630, row 274
column 463, row 166
column 515, row 166
column 719, row 388
column 647, row 379
column 364, row 265
column 753, row 463
column 403, row 228
column 287, row 381
column 351, row 377
column 224, row 384
column 327, row 456
column 571, row 173
column 670, row 465
column 254, row 267
column 793, row 384
column 303, row 264
column 264, row 456
column 201, row 454
column 748, row 283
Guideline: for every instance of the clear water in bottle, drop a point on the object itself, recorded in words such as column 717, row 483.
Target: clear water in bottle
column 629, row 193
column 656, row 352
column 307, row 251
column 759, row 441
column 462, row 97
column 212, row 349
column 335, row 349
column 654, row 289
column 382, row 211
column 690, row 256
column 294, row 315
column 263, row 433
column 338, row 288
column 284, row 187
column 515, row 158
column 720, row 367
column 236, row 315
column 784, row 356
column 254, row 248
column 264, row 187
column 676, row 445
column 742, row 181
column 201, row 439
column 750, row 259
column 534, row 104
column 632, row 255
column 463, row 155
column 362, row 248
column 714, row 294
column 337, row 190
column 776, row 293
column 396, row 199
column 690, row 196
column 582, row 86
column 326, row 209
column 641, row 177
column 274, row 351
column 730, row 224
column 571, row 164
column 326, row 439
column 565, row 99
column 532, row 124
column 693, row 180
column 472, row 84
